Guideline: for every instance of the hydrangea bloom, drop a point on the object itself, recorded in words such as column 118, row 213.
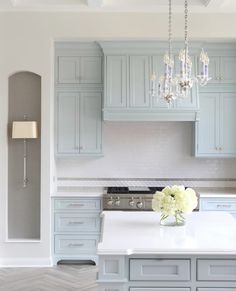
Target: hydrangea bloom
column 175, row 200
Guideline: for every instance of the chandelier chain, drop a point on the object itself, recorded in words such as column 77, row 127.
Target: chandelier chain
column 170, row 28
column 186, row 23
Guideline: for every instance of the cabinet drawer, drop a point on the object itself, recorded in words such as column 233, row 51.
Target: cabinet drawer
column 215, row 289
column 159, row 270
column 77, row 204
column 67, row 222
column 216, row 270
column 84, row 244
column 160, row 289
column 217, row 205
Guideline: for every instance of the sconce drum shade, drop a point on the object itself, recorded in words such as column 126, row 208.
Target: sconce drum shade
column 24, row 129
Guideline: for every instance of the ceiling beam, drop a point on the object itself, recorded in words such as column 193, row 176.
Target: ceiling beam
column 94, row 3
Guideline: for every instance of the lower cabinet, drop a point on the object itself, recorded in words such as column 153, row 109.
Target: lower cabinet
column 76, row 228
column 159, row 289
column 159, row 270
column 215, row 289
column 167, row 273
column 227, row 204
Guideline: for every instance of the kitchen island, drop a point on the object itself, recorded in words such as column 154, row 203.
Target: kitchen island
column 137, row 254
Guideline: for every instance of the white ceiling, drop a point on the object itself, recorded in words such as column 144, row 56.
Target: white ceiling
column 198, row 6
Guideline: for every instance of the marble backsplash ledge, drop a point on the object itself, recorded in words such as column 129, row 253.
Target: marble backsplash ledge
column 106, row 182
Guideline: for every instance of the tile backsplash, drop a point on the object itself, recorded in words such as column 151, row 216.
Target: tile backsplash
column 147, row 150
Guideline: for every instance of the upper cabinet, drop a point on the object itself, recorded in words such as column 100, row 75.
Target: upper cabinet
column 216, row 128
column 116, row 82
column 127, row 72
column 79, row 90
column 139, row 76
column 222, row 69
column 79, row 123
column 79, row 70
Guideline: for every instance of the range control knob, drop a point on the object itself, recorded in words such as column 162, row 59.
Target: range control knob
column 117, row 201
column 110, row 202
column 139, row 204
column 131, row 202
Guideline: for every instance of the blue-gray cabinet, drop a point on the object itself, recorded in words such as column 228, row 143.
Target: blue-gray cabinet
column 139, row 77
column 79, row 70
column 76, row 228
column 222, row 69
column 216, row 203
column 116, row 82
column 127, row 94
column 79, row 123
column 216, row 128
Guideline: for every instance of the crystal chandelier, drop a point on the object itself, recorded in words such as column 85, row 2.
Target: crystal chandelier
column 169, row 86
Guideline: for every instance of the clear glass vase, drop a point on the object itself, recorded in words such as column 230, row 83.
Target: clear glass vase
column 178, row 219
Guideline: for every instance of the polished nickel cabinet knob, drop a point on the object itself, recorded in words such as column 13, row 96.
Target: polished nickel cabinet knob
column 139, row 204
column 117, row 201
column 110, row 202
column 131, row 202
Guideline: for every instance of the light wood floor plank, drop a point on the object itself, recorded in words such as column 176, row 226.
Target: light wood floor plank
column 58, row 278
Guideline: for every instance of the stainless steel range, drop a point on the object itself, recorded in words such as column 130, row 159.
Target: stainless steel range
column 129, row 198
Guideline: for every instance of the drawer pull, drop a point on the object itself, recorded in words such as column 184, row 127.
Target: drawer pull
column 75, row 222
column 224, row 206
column 76, row 205
column 75, row 245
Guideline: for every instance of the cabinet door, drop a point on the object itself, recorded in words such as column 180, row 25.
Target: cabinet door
column 116, row 86
column 68, row 70
column 67, row 139
column 158, row 68
column 214, row 69
column 208, row 126
column 190, row 102
column 139, row 81
column 228, row 123
column 228, row 69
column 90, row 70
column 90, row 130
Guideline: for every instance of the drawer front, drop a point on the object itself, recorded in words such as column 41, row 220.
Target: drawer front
column 216, row 270
column 215, row 289
column 159, row 270
column 76, row 222
column 159, row 289
column 73, row 245
column 77, row 204
column 218, row 205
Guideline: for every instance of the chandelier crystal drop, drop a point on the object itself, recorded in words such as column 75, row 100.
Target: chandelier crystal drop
column 169, row 86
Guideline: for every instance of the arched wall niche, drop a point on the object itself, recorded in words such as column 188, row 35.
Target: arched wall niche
column 24, row 202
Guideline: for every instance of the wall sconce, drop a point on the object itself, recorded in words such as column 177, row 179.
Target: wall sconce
column 24, row 130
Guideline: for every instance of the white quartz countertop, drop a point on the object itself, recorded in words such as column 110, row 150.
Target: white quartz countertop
column 79, row 192
column 127, row 233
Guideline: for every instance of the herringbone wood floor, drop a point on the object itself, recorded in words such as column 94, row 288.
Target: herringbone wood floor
column 58, row 278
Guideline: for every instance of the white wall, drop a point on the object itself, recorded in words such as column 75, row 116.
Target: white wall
column 26, row 43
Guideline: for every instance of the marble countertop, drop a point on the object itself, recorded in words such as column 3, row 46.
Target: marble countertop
column 127, row 233
column 79, row 192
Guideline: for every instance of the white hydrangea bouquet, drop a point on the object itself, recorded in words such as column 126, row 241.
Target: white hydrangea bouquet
column 173, row 203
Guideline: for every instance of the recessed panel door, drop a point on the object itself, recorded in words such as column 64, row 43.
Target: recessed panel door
column 139, row 81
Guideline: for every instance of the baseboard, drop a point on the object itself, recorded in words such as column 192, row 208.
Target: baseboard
column 26, row 262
